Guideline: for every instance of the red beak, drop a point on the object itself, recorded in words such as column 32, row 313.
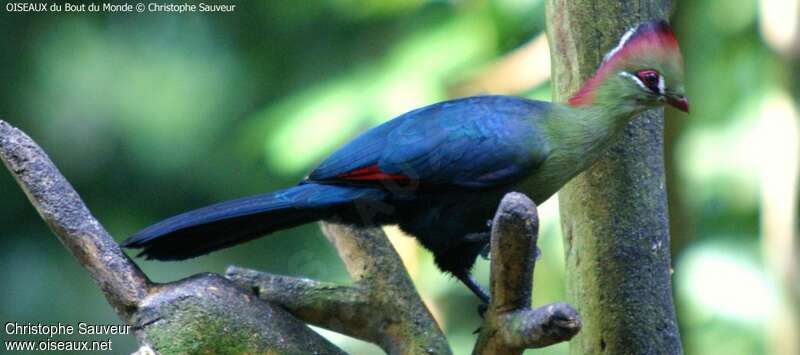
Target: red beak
column 680, row 102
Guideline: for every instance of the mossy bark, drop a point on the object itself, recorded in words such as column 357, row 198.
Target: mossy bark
column 382, row 305
column 207, row 314
column 614, row 215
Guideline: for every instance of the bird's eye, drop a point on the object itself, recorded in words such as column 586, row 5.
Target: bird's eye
column 650, row 78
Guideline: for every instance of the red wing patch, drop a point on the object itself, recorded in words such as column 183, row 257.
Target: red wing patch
column 371, row 173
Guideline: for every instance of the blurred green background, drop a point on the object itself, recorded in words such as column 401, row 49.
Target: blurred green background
column 152, row 114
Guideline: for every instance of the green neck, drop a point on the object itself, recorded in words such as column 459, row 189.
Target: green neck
column 579, row 134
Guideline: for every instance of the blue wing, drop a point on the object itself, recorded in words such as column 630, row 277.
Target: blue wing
column 480, row 141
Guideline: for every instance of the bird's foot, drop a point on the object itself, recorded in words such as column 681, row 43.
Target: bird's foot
column 486, row 251
column 482, row 308
column 481, row 238
column 473, row 286
column 478, row 290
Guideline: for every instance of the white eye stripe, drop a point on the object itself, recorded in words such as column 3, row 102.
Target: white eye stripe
column 635, row 79
column 661, row 85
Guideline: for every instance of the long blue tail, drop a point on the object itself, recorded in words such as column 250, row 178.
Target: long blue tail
column 225, row 224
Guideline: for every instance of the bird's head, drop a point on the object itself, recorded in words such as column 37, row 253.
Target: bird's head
column 644, row 70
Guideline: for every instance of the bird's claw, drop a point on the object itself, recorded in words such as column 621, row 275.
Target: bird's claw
column 482, row 309
column 486, row 251
column 484, row 237
column 481, row 238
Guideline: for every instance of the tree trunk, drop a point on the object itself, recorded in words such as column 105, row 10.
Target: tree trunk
column 614, row 215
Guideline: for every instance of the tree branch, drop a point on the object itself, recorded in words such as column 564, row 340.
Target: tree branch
column 123, row 284
column 510, row 325
column 382, row 306
column 205, row 313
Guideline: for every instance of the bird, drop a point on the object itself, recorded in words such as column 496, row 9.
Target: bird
column 440, row 171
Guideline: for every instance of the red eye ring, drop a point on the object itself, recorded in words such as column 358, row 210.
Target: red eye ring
column 649, row 77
